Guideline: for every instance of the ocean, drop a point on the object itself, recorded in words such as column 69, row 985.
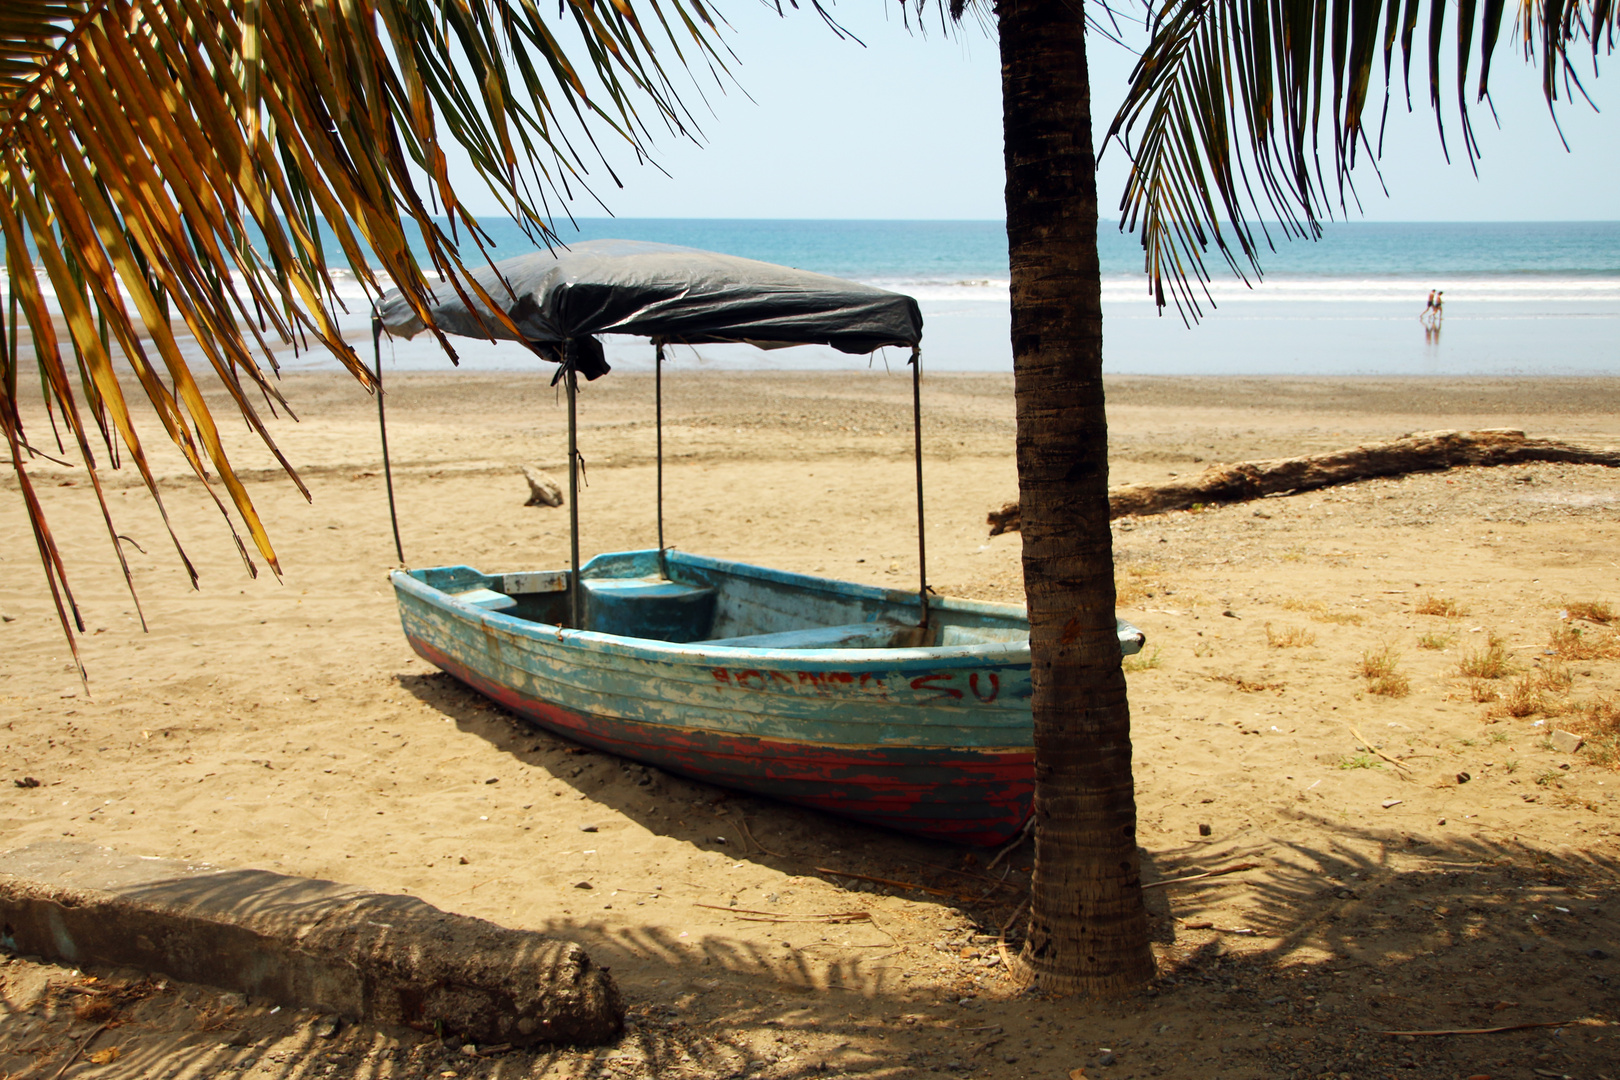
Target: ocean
column 1521, row 299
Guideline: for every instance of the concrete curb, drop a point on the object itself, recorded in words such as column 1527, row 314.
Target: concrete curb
column 304, row 943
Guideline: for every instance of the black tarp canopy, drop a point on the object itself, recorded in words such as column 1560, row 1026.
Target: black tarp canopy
column 560, row 300
column 667, row 293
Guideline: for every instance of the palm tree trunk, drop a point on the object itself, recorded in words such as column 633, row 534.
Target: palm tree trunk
column 1088, row 928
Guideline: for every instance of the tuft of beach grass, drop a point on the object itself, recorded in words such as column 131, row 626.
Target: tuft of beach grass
column 1377, row 664
column 1524, row 698
column 1582, row 643
column 1539, row 691
column 1598, row 721
column 1142, row 661
column 1555, row 677
column 1289, row 637
column 1379, row 668
column 1591, row 610
column 1440, row 605
column 1490, row 662
column 1319, row 612
column 1395, row 684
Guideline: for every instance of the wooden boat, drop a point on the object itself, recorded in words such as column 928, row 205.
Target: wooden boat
column 895, row 708
column 819, row 692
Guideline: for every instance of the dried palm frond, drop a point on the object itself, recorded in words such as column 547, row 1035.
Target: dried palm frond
column 194, row 159
column 1223, row 116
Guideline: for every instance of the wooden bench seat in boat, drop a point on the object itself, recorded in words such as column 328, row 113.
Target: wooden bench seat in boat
column 488, row 599
column 654, row 608
column 982, row 635
column 868, row 635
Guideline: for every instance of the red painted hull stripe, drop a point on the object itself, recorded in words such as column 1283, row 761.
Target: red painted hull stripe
column 974, row 797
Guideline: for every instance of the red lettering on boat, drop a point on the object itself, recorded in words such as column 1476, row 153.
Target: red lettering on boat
column 742, row 677
column 995, row 686
column 926, row 682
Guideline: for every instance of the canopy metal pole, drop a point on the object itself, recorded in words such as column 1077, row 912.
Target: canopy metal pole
column 658, row 394
column 572, row 386
column 916, row 435
column 382, row 426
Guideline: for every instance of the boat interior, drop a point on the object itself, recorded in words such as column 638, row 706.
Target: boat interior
column 683, row 598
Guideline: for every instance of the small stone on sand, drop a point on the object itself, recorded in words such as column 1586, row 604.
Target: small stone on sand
column 1566, row 742
column 543, row 490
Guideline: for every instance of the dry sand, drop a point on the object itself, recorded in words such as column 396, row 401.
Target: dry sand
column 286, row 725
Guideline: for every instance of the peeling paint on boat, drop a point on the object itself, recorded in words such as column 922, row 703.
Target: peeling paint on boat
column 929, row 739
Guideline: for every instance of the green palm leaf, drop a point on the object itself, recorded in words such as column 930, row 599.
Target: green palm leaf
column 1270, row 69
column 187, row 154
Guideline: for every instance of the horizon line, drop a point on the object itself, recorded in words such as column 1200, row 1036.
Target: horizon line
column 1002, row 221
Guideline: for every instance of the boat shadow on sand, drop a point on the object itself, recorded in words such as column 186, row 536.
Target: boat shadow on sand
column 1338, row 926
column 743, row 826
column 1300, row 891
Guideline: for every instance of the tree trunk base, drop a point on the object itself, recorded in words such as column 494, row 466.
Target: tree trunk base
column 1425, row 451
column 1027, row 977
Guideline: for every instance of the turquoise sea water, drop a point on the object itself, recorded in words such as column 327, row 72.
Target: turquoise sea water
column 947, row 251
column 1521, row 299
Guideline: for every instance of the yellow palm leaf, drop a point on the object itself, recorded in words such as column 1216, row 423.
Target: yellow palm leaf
column 189, row 155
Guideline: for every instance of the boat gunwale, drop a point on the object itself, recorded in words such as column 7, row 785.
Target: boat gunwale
column 1003, row 653
column 998, row 653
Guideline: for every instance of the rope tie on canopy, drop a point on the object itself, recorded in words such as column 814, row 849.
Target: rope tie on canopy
column 571, row 365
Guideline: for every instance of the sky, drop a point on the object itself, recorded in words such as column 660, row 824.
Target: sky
column 909, row 127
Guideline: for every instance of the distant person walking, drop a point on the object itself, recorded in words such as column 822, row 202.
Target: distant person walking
column 1432, row 311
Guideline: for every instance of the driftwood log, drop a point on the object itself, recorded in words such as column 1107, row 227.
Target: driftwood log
column 305, row 943
column 1424, row 451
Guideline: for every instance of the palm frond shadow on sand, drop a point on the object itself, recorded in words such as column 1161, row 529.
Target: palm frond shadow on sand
column 1339, row 893
column 1346, row 894
column 1356, row 930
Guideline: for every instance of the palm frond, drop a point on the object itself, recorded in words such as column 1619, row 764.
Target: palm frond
column 1224, row 114
column 180, row 159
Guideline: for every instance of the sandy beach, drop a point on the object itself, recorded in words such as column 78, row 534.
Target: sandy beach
column 1426, row 860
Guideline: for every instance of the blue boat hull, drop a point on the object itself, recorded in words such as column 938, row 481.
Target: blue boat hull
column 932, row 738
